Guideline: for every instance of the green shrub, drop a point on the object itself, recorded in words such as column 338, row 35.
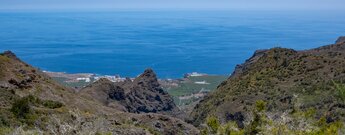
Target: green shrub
column 341, row 90
column 261, row 124
column 213, row 124
column 21, row 108
column 259, row 118
column 260, row 105
column 214, row 127
column 23, row 111
column 5, row 130
column 103, row 133
column 310, row 113
column 204, row 131
column 52, row 104
column 3, row 121
column 230, row 128
column 253, row 127
column 325, row 128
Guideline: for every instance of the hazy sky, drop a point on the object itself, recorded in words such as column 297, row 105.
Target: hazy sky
column 175, row 4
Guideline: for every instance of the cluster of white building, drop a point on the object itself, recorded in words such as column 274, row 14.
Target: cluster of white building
column 115, row 78
column 194, row 74
column 201, row 82
column 84, row 79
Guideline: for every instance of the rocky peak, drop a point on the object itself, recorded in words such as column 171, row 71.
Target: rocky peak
column 101, row 84
column 148, row 78
column 341, row 39
column 143, row 95
column 274, row 57
column 10, row 54
column 103, row 81
column 127, row 80
column 147, row 96
column 148, row 74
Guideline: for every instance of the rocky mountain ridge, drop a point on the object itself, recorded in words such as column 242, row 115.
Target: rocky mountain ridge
column 143, row 95
column 276, row 91
column 287, row 81
column 32, row 103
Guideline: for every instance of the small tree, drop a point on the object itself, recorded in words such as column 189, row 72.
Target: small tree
column 260, row 105
column 21, row 108
column 213, row 124
column 259, row 118
column 341, row 90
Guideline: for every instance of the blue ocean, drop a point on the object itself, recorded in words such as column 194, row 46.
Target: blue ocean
column 171, row 42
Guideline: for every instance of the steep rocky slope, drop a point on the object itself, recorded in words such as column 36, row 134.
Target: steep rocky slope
column 32, row 103
column 25, row 80
column 286, row 81
column 340, row 39
column 143, row 95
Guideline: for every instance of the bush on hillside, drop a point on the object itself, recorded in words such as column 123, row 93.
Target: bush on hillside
column 341, row 90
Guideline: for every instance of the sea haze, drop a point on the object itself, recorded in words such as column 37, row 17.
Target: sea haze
column 170, row 42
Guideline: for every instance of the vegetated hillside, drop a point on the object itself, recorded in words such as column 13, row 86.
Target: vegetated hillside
column 281, row 91
column 32, row 103
column 143, row 95
column 23, row 78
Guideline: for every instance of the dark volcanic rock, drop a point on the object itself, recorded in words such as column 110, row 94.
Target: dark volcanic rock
column 147, row 96
column 9, row 54
column 238, row 117
column 143, row 95
column 117, row 93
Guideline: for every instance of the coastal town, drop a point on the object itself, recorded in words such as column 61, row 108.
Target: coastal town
column 186, row 90
column 84, row 77
column 89, row 77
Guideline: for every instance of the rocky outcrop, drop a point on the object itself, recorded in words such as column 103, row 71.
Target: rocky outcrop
column 143, row 95
column 10, row 55
column 146, row 95
column 24, row 80
column 341, row 39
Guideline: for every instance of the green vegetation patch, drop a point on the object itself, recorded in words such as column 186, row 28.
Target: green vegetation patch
column 188, row 87
column 23, row 108
column 261, row 124
column 340, row 88
column 3, row 61
column 213, row 123
column 214, row 127
column 64, row 81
